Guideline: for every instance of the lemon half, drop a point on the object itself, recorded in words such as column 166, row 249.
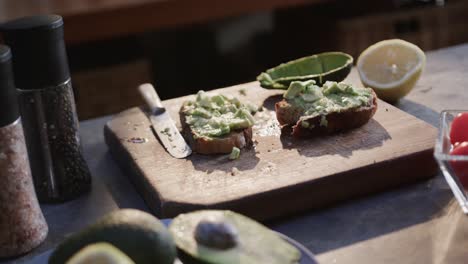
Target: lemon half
column 391, row 67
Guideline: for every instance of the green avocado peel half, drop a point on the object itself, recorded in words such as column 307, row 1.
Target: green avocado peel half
column 102, row 253
column 225, row 237
column 327, row 66
column 137, row 234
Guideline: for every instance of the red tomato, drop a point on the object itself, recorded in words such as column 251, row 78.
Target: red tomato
column 459, row 129
column 461, row 167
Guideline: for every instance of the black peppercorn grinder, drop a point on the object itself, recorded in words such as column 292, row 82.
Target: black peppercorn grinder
column 47, row 107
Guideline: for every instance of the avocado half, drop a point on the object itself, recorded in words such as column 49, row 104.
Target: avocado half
column 327, row 66
column 139, row 235
column 241, row 240
column 102, row 253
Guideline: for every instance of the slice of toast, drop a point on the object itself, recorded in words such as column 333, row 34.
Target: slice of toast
column 239, row 138
column 289, row 114
column 224, row 144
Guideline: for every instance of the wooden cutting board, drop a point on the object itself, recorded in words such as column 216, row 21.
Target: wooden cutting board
column 281, row 175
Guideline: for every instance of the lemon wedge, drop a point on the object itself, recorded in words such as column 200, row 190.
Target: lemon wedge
column 391, row 67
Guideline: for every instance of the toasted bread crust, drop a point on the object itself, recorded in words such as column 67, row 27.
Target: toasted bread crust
column 289, row 115
column 203, row 145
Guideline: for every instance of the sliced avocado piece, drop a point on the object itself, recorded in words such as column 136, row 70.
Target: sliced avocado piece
column 294, row 89
column 102, row 253
column 225, row 237
column 139, row 235
column 328, row 66
column 216, row 116
column 235, row 153
column 313, row 100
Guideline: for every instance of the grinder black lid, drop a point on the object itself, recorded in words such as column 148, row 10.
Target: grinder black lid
column 8, row 101
column 38, row 47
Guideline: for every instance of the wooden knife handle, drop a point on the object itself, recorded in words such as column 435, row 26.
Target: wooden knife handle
column 150, row 96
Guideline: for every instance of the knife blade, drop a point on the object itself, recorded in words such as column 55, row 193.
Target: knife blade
column 163, row 124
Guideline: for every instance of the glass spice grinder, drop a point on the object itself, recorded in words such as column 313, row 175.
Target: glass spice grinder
column 22, row 224
column 47, row 107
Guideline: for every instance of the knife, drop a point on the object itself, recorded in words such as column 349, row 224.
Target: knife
column 163, row 124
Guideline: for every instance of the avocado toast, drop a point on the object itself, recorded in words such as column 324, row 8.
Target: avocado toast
column 312, row 110
column 216, row 124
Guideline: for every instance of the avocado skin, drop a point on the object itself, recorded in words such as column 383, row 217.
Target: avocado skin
column 138, row 234
column 320, row 79
column 336, row 75
column 187, row 259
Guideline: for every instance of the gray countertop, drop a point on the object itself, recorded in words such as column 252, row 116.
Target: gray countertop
column 405, row 225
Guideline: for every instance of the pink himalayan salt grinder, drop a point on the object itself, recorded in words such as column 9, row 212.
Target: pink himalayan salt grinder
column 22, row 224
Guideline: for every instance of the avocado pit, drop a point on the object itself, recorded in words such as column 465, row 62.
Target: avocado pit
column 216, row 233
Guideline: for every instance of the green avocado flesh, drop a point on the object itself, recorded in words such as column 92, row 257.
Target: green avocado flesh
column 139, row 235
column 331, row 97
column 328, row 66
column 255, row 243
column 235, row 153
column 215, row 116
column 100, row 253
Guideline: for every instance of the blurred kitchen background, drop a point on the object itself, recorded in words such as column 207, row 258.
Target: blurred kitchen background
column 183, row 46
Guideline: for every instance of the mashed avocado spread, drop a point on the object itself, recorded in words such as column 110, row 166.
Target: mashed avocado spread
column 331, row 97
column 215, row 116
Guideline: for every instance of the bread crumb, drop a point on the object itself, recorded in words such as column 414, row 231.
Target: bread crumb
column 234, row 171
column 137, row 140
column 269, row 167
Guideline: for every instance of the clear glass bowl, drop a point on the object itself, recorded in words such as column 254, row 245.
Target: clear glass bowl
column 442, row 154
